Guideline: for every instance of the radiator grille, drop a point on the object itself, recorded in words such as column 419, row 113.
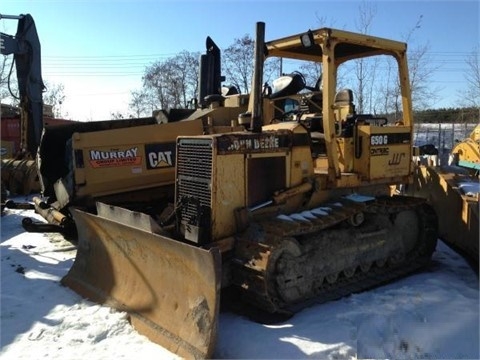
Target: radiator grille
column 194, row 173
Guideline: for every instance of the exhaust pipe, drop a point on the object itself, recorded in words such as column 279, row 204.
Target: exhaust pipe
column 210, row 77
column 255, row 103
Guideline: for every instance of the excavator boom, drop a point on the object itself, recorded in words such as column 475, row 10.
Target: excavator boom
column 20, row 173
column 25, row 46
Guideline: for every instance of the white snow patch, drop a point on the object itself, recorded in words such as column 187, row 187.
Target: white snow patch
column 433, row 314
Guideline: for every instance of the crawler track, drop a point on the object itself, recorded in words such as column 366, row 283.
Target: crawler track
column 293, row 261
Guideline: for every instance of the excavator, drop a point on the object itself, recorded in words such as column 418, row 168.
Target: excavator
column 127, row 162
column 121, row 162
column 25, row 46
column 29, row 171
column 454, row 188
column 295, row 209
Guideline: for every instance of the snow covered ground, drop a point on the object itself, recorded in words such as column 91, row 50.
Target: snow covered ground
column 430, row 315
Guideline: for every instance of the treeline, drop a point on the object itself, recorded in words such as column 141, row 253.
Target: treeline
column 448, row 115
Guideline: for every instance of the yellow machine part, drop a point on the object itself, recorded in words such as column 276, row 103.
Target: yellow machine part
column 457, row 212
column 243, row 199
column 128, row 159
column 466, row 153
column 170, row 289
column 20, row 176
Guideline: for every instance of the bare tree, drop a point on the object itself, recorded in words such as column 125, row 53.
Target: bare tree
column 471, row 95
column 138, row 102
column 238, row 63
column 312, row 71
column 385, row 97
column 421, row 69
column 54, row 96
column 189, row 65
column 174, row 81
column 3, row 77
column 154, row 80
column 8, row 81
column 387, row 91
column 365, row 68
column 142, row 102
column 117, row 115
column 54, row 93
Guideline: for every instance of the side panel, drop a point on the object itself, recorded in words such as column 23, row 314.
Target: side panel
column 383, row 152
column 228, row 188
column 113, row 161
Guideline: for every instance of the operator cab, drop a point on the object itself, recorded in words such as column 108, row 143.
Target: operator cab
column 291, row 99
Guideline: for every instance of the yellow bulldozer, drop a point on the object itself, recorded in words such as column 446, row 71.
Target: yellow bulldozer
column 295, row 209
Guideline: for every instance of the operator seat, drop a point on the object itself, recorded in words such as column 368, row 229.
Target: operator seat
column 344, row 98
column 344, row 108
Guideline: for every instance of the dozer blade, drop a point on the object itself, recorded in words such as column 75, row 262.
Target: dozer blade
column 458, row 213
column 170, row 289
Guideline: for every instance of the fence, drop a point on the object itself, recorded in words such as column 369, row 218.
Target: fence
column 443, row 136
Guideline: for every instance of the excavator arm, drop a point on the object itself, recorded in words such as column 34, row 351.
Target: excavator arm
column 25, row 46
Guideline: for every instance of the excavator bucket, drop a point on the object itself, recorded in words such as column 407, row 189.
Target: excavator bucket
column 20, row 176
column 170, row 289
